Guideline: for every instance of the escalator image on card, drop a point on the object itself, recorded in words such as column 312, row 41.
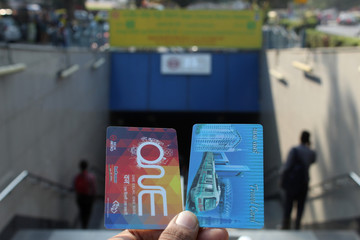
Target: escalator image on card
column 225, row 181
column 142, row 188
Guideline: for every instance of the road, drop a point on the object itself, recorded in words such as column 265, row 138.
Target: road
column 342, row 30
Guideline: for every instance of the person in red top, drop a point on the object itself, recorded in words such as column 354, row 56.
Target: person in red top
column 84, row 185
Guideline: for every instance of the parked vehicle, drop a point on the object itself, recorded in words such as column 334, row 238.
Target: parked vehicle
column 9, row 30
column 346, row 19
column 328, row 15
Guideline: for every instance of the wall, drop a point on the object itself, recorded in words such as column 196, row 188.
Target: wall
column 232, row 86
column 141, row 96
column 327, row 103
column 47, row 125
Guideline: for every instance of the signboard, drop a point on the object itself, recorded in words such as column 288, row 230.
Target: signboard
column 185, row 28
column 186, row 64
column 301, row 1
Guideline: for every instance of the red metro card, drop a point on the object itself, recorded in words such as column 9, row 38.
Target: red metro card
column 142, row 188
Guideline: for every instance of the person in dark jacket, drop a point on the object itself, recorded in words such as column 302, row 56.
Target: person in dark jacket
column 295, row 179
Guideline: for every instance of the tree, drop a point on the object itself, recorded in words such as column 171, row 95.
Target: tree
column 4, row 4
column 338, row 4
column 279, row 3
column 69, row 6
column 184, row 3
column 80, row 4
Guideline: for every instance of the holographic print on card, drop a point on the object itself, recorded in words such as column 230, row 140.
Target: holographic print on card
column 225, row 182
column 142, row 178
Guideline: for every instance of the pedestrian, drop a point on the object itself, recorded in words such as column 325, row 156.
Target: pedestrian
column 84, row 185
column 295, row 179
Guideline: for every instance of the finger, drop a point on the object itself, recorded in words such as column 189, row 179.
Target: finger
column 184, row 226
column 213, row 234
column 137, row 235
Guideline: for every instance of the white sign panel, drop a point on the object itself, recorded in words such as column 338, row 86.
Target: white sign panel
column 186, row 64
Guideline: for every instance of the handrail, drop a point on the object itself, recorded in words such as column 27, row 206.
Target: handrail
column 26, row 174
column 355, row 178
column 98, row 172
column 337, row 180
column 320, row 189
column 9, row 188
column 334, row 183
column 272, row 173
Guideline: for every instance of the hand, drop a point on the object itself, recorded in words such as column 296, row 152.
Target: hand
column 184, row 226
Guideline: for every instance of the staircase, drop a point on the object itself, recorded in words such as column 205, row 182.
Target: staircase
column 292, row 235
column 273, row 215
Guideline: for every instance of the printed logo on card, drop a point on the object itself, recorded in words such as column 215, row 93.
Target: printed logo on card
column 113, row 143
column 151, row 164
column 115, row 206
column 113, row 173
column 143, row 178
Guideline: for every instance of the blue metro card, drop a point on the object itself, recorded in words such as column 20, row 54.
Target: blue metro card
column 225, row 182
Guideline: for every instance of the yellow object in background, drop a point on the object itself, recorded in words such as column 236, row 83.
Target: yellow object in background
column 301, row 1
column 203, row 28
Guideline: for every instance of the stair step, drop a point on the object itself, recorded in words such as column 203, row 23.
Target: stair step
column 293, row 235
column 31, row 234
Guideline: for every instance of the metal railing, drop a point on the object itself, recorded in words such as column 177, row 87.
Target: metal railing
column 278, row 37
column 315, row 191
column 321, row 189
column 318, row 190
column 24, row 175
column 271, row 174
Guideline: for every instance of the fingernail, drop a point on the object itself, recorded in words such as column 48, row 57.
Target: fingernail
column 187, row 219
column 120, row 238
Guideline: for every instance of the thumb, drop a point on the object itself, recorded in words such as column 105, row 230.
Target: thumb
column 184, row 226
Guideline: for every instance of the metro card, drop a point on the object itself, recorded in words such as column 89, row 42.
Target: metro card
column 225, row 182
column 142, row 178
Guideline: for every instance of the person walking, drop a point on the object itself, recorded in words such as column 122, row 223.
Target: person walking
column 85, row 189
column 295, row 179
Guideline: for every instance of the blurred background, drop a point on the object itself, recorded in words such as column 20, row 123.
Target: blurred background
column 69, row 69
